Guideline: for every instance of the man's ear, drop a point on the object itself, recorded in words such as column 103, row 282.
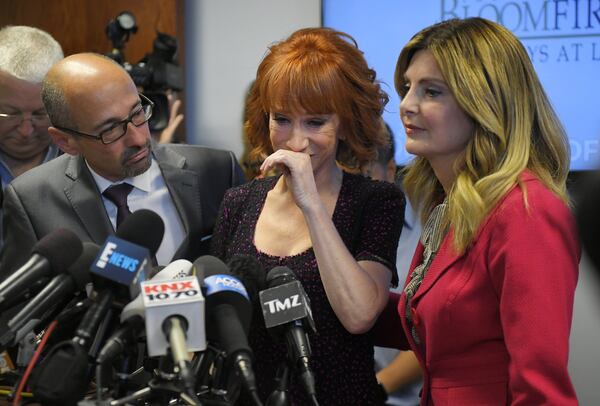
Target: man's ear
column 64, row 141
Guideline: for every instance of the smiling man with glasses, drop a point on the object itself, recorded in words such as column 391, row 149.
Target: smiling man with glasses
column 99, row 120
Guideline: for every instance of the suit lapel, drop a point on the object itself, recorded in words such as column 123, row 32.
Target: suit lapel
column 84, row 197
column 184, row 188
column 443, row 260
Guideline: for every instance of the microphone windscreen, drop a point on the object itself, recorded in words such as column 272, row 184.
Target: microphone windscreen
column 80, row 269
column 208, row 265
column 280, row 275
column 251, row 272
column 222, row 287
column 143, row 227
column 180, row 268
column 61, row 248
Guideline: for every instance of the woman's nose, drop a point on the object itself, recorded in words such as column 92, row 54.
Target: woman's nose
column 298, row 140
column 409, row 104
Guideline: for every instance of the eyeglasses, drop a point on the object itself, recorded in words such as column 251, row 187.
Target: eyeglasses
column 119, row 129
column 15, row 120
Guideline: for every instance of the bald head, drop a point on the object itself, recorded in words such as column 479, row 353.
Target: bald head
column 75, row 80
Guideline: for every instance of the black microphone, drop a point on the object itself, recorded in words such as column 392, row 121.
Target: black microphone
column 143, row 227
column 286, row 304
column 252, row 274
column 228, row 316
column 116, row 269
column 124, row 259
column 52, row 254
column 57, row 290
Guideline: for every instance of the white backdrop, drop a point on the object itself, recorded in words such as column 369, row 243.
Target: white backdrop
column 225, row 42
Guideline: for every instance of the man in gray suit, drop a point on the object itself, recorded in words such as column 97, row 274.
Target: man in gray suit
column 100, row 121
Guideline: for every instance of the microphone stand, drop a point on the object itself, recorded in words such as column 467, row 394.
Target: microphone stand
column 156, row 393
column 216, row 385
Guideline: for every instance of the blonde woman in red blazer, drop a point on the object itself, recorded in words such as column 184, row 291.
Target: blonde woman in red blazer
column 488, row 302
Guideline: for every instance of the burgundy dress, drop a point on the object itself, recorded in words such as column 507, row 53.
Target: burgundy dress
column 368, row 215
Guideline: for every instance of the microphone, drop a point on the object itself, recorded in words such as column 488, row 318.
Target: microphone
column 51, row 382
column 124, row 259
column 63, row 376
column 174, row 313
column 60, row 287
column 143, row 227
column 132, row 315
column 251, row 273
column 228, row 313
column 119, row 267
column 174, row 290
column 50, row 255
column 176, row 298
column 133, row 319
column 285, row 305
column 121, row 263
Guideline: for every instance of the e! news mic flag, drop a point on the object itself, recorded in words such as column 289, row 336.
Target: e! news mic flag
column 124, row 260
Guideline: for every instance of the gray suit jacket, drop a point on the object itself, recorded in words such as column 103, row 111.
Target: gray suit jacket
column 62, row 193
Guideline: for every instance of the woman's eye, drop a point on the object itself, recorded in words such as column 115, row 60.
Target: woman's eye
column 432, row 92
column 316, row 122
column 279, row 119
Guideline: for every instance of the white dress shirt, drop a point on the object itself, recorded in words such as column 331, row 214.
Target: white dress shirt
column 149, row 192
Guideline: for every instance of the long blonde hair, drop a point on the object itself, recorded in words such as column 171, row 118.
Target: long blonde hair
column 494, row 82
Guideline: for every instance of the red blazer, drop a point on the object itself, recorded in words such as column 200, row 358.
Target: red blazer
column 494, row 323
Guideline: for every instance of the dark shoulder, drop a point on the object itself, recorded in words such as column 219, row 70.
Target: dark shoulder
column 370, row 188
column 215, row 167
column 193, row 153
column 239, row 194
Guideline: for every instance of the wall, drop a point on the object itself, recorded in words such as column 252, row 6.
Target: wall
column 226, row 40
column 79, row 25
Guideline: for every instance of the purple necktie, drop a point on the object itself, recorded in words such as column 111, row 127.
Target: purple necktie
column 118, row 195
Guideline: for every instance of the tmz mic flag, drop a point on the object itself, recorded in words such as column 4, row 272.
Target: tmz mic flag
column 284, row 303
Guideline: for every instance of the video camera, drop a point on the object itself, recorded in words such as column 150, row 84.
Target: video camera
column 156, row 72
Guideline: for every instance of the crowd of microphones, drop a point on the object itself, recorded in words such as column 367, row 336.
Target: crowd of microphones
column 101, row 325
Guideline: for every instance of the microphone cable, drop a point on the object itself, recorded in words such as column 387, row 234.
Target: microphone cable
column 279, row 396
column 33, row 361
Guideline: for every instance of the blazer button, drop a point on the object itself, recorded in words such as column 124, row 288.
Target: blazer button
column 415, row 317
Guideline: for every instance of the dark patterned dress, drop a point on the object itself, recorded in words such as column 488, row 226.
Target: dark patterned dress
column 368, row 215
